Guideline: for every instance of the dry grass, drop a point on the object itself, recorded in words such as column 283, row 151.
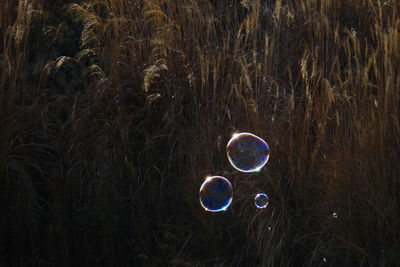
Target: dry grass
column 112, row 112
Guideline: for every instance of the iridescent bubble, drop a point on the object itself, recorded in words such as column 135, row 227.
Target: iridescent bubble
column 247, row 152
column 261, row 200
column 334, row 215
column 216, row 194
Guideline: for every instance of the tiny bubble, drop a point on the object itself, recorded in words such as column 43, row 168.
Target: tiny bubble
column 261, row 200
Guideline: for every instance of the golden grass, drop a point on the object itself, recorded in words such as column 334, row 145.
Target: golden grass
column 114, row 111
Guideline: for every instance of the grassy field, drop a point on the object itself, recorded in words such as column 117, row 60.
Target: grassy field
column 112, row 113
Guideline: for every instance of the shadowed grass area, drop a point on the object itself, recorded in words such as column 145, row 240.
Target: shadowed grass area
column 113, row 112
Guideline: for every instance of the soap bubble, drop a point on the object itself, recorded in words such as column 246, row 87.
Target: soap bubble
column 261, row 200
column 216, row 194
column 334, row 215
column 247, row 152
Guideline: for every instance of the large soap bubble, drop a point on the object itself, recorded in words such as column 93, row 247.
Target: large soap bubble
column 216, row 194
column 247, row 152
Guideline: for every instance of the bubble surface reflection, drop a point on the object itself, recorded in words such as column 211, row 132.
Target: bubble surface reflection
column 216, row 194
column 247, row 152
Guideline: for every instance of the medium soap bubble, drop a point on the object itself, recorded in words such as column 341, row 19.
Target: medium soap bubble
column 216, row 194
column 261, row 200
column 247, row 152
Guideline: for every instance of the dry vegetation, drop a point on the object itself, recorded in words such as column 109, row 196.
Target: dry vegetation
column 112, row 112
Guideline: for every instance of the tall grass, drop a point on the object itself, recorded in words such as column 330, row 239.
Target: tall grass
column 112, row 112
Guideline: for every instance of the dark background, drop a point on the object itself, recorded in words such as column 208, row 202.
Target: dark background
column 112, row 113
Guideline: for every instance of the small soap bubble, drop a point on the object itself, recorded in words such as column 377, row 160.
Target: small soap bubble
column 216, row 194
column 261, row 200
column 247, row 152
column 334, row 215
column 269, row 228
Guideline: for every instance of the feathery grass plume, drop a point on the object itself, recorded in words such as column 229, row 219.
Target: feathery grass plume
column 19, row 31
column 112, row 113
column 92, row 34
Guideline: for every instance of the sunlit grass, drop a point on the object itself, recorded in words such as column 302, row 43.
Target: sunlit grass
column 112, row 113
